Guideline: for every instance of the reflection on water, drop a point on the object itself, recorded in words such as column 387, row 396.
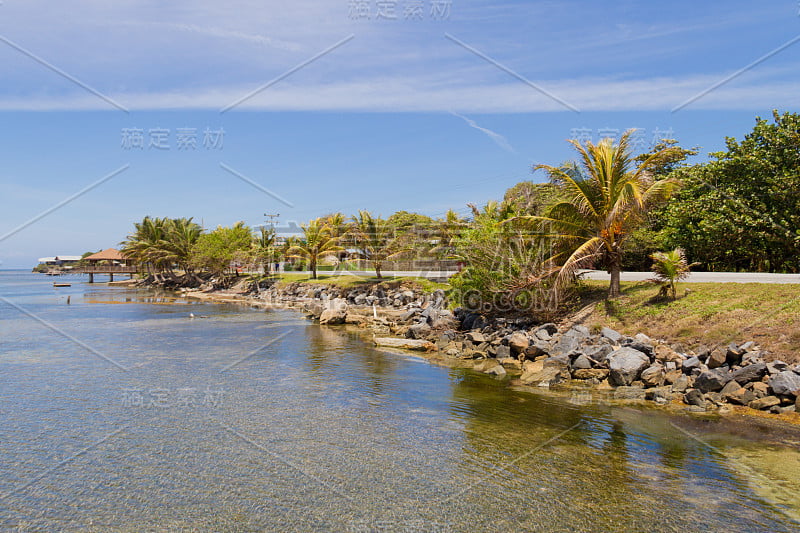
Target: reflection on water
column 252, row 420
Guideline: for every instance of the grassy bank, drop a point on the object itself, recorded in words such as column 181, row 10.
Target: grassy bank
column 711, row 313
column 351, row 281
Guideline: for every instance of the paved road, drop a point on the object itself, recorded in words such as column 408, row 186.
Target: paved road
column 430, row 274
column 694, row 277
column 704, row 277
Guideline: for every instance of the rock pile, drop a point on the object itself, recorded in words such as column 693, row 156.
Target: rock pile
column 387, row 294
column 635, row 368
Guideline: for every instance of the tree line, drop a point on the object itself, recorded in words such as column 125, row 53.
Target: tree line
column 609, row 209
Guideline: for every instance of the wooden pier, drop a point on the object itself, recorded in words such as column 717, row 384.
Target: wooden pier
column 105, row 269
column 109, row 262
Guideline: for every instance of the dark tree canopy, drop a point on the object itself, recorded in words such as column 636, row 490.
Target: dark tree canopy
column 741, row 210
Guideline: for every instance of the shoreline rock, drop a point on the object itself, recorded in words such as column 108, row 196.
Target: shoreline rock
column 637, row 368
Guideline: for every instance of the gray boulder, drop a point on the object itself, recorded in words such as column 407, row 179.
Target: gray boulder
column 776, row 367
column 680, row 384
column 694, row 397
column 750, row 373
column 497, row 371
column 578, row 331
column 583, row 362
column 644, row 347
column 653, row 376
column 731, row 388
column 741, row 396
column 503, row 351
column 612, row 335
column 785, row 383
column 691, row 363
column 418, row 331
column 335, row 312
column 626, row 365
column 550, row 328
column 537, row 348
column 597, row 353
column 712, row 380
column 566, row 345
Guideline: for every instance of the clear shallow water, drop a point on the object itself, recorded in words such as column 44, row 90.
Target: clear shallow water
column 250, row 420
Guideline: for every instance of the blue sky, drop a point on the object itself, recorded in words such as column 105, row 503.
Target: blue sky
column 436, row 107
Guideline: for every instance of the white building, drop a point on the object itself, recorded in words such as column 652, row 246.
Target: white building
column 63, row 261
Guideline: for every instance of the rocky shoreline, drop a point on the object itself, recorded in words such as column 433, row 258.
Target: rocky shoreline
column 566, row 357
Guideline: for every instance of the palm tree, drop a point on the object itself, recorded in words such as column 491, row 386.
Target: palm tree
column 143, row 245
column 176, row 247
column 670, row 268
column 161, row 243
column 337, row 223
column 606, row 200
column 377, row 240
column 317, row 242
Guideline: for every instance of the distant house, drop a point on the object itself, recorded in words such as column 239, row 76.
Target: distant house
column 60, row 261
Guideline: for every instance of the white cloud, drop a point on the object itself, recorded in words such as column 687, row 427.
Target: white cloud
column 498, row 139
column 206, row 55
column 403, row 94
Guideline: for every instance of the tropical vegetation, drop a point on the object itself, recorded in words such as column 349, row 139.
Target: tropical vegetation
column 610, row 208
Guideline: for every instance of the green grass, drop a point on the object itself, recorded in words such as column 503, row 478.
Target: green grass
column 710, row 313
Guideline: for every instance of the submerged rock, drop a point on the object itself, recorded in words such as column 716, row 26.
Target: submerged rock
column 629, row 393
column 406, row 344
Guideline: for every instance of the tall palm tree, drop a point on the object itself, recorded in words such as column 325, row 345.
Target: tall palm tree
column 161, row 243
column 316, row 243
column 176, row 246
column 377, row 240
column 143, row 245
column 337, row 223
column 607, row 197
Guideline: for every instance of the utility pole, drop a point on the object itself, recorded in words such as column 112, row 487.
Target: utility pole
column 272, row 218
